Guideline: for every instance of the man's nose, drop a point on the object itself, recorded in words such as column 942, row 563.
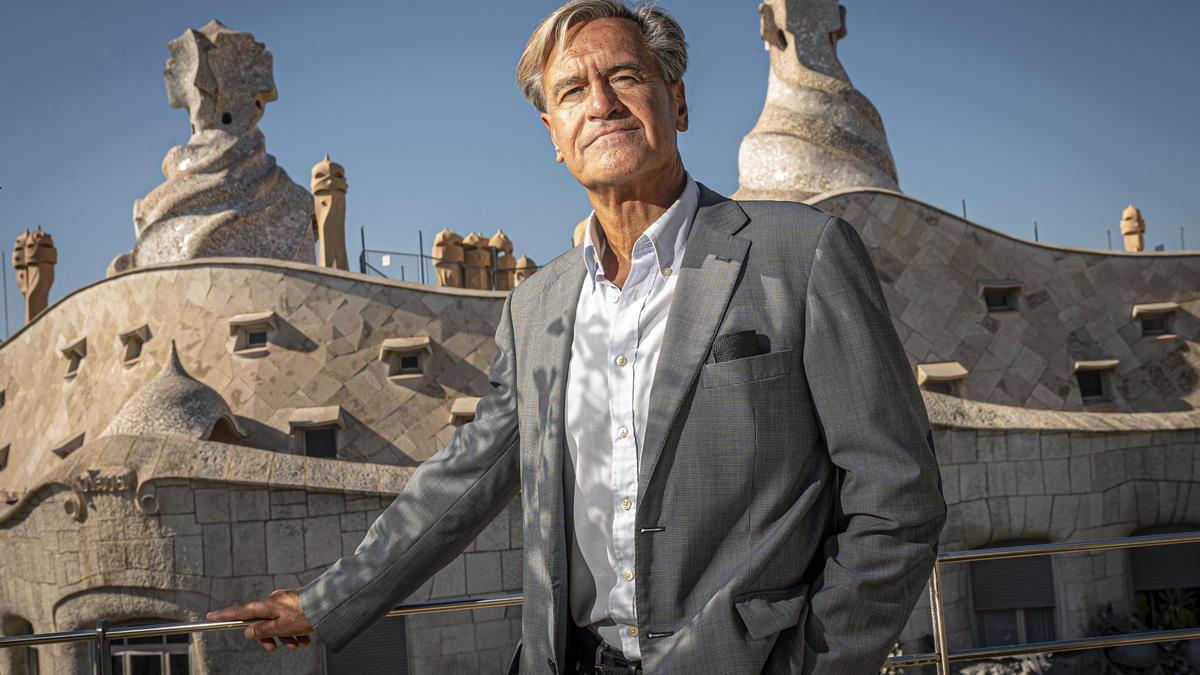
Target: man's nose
column 603, row 102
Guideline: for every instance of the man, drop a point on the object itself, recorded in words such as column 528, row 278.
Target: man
column 724, row 460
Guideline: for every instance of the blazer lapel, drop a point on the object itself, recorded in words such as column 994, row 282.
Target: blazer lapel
column 554, row 355
column 712, row 262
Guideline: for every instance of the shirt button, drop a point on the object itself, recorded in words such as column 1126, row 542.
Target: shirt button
column 622, row 432
column 614, row 298
column 621, row 360
column 627, row 503
column 632, row 631
column 628, row 575
column 666, row 271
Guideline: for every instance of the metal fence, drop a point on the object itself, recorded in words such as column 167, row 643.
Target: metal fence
column 942, row 656
column 102, row 636
column 422, row 267
column 397, row 265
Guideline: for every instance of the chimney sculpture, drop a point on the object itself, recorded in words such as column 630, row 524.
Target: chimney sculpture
column 505, row 263
column 34, row 257
column 525, row 267
column 466, row 262
column 448, row 258
column 224, row 195
column 1133, row 229
column 816, row 132
column 478, row 262
column 579, row 233
column 329, row 212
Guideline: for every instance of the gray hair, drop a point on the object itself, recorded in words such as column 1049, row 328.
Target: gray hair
column 660, row 32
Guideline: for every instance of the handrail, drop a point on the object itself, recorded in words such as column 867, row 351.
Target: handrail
column 159, row 630
column 103, row 635
column 1072, row 645
column 943, row 656
column 1026, row 550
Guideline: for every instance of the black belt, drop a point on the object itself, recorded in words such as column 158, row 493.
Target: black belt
column 590, row 654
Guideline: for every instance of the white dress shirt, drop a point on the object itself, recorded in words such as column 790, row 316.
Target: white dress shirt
column 618, row 335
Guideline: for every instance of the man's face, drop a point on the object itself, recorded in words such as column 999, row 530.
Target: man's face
column 611, row 116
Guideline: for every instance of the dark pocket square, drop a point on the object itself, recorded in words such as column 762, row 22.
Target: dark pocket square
column 735, row 346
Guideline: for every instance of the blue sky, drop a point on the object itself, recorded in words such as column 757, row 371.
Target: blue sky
column 1059, row 112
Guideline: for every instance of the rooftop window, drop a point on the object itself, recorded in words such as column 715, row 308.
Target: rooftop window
column 132, row 341
column 1000, row 295
column 68, row 446
column 320, row 442
column 1155, row 317
column 405, row 357
column 252, row 332
column 74, row 352
column 462, row 410
column 944, row 377
column 1094, row 378
column 315, row 430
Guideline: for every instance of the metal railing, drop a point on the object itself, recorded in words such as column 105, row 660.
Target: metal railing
column 461, row 271
column 942, row 656
column 463, row 274
column 102, row 635
column 423, row 262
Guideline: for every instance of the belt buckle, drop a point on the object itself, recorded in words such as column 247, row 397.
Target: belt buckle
column 601, row 647
column 624, row 664
column 599, row 669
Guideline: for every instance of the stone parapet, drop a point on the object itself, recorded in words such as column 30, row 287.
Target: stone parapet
column 322, row 349
column 1070, row 305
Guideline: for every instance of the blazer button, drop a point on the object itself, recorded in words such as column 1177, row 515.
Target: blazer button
column 553, row 668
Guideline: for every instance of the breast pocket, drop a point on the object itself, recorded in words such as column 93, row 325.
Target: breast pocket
column 747, row 369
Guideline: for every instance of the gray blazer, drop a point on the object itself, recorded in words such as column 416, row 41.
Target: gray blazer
column 789, row 503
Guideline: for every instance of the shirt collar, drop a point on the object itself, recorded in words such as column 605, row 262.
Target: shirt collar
column 666, row 236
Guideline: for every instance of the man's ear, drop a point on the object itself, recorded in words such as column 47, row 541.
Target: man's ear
column 681, row 109
column 558, row 156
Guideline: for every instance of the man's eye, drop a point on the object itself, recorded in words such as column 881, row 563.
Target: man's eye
column 571, row 93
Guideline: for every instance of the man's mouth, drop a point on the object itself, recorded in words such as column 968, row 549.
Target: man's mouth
column 609, row 132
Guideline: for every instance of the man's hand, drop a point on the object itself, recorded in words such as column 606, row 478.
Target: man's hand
column 278, row 615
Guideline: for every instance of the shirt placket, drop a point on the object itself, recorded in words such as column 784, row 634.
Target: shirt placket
column 623, row 347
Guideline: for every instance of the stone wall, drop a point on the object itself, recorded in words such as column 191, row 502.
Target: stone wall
column 229, row 530
column 324, row 352
column 1076, row 304
column 202, row 525
column 482, row 640
column 1057, row 477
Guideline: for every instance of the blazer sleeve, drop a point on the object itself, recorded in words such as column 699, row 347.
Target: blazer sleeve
column 447, row 502
column 873, row 421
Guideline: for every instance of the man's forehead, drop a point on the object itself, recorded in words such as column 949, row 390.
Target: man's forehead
column 596, row 43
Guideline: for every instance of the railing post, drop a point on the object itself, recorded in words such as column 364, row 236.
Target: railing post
column 362, row 255
column 939, row 619
column 421, row 254
column 103, row 650
column 933, row 616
